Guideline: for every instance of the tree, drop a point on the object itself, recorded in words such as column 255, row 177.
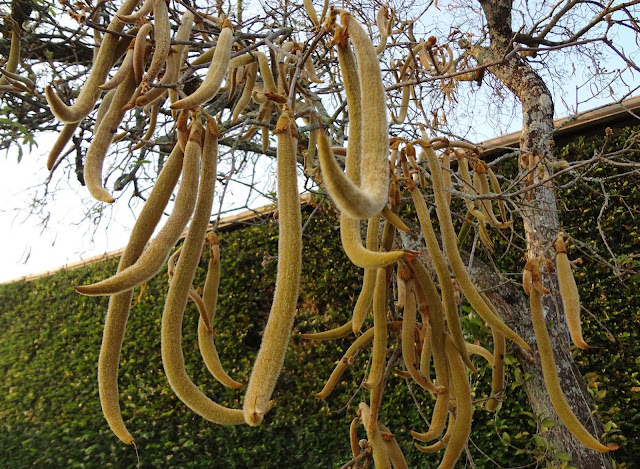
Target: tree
column 291, row 72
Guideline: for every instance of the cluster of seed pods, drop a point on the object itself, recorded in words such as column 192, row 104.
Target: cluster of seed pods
column 152, row 67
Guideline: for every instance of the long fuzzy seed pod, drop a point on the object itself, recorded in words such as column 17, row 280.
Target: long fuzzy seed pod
column 154, row 257
column 276, row 334
column 174, row 61
column 379, row 352
column 444, row 278
column 443, row 442
column 140, row 51
column 338, row 371
column 337, row 333
column 569, row 294
column 90, row 92
column 153, row 120
column 171, row 333
column 552, row 382
column 450, row 242
column 308, row 7
column 62, row 140
column 162, row 39
column 145, row 9
column 467, row 186
column 11, row 65
column 365, row 298
column 120, row 304
column 126, row 67
column 380, row 456
column 474, row 349
column 429, row 301
column 216, row 73
column 497, row 370
column 252, row 73
column 409, row 339
column 104, row 106
column 210, row 291
column 393, row 449
column 370, row 198
column 464, row 411
column 404, row 106
column 104, row 135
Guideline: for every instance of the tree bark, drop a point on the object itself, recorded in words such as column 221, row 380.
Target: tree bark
column 541, row 227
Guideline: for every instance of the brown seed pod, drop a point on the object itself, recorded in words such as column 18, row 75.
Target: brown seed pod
column 379, row 352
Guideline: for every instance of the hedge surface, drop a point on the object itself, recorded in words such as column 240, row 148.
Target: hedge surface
column 50, row 337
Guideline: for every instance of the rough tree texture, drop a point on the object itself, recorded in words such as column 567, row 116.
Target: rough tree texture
column 541, row 227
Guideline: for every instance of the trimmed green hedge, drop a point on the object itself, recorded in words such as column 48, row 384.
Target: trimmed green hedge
column 50, row 336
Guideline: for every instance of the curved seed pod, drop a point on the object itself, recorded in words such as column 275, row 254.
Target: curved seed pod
column 153, row 119
column 162, row 39
column 449, row 240
column 474, row 349
column 481, row 171
column 527, row 277
column 365, row 298
column 120, row 304
column 353, row 437
column 11, row 65
column 62, row 140
column 337, row 333
column 393, row 449
column 144, row 10
column 210, row 292
column 171, row 338
column 154, row 257
column 126, row 67
column 140, row 51
column 380, row 456
column 464, row 411
column 370, row 197
column 311, row 71
column 357, row 253
column 361, row 341
column 467, row 186
column 429, row 300
column 90, row 92
column 569, row 294
column 105, row 104
column 381, row 23
column 252, row 72
column 394, row 219
column 17, row 79
column 443, row 442
column 278, row 329
column 404, row 106
column 379, row 352
column 216, row 73
column 552, row 382
column 103, row 137
column 444, row 278
column 496, row 189
column 409, row 337
column 265, row 73
column 308, row 7
column 174, row 61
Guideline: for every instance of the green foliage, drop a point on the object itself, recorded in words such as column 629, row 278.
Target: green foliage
column 50, row 413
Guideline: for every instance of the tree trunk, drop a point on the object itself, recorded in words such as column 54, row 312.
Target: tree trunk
column 541, row 227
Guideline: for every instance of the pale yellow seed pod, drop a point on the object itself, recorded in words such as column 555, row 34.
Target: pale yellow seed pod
column 276, row 334
column 569, row 294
